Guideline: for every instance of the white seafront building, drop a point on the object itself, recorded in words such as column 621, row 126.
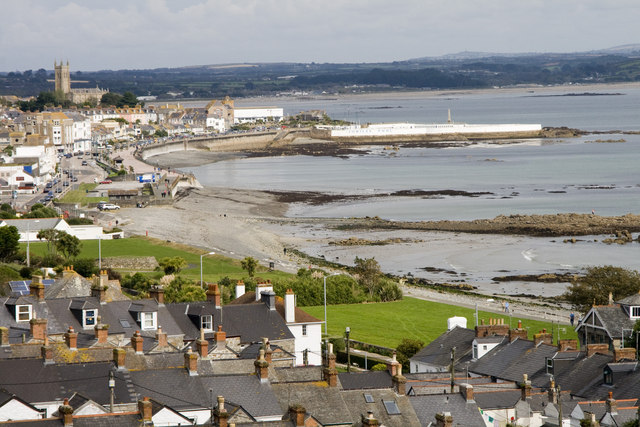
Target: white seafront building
column 413, row 129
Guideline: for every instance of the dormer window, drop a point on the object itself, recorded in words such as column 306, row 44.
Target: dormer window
column 89, row 318
column 206, row 322
column 634, row 310
column 148, row 320
column 23, row 313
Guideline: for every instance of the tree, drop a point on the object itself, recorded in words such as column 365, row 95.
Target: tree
column 407, row 349
column 68, row 245
column 86, row 267
column 172, row 265
column 369, row 273
column 161, row 133
column 598, row 282
column 183, row 290
column 50, row 235
column 9, row 238
column 129, row 99
column 249, row 264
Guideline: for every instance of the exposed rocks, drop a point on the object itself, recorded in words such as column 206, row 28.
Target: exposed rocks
column 620, row 237
column 545, row 278
column 356, row 241
column 570, row 224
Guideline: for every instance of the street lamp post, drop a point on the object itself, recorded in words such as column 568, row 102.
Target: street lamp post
column 201, row 282
column 347, row 331
column 29, row 241
column 324, row 279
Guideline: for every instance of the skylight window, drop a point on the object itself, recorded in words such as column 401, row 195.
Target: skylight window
column 391, row 407
column 368, row 398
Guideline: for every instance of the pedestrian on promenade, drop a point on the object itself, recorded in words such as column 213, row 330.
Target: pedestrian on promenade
column 506, row 307
column 572, row 318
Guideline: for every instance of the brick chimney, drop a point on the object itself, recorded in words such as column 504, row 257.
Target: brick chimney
column 71, row 339
column 268, row 352
column 518, row 332
column 495, row 327
column 161, row 337
column 392, row 366
column 102, row 333
column 191, row 362
column 369, row 420
column 297, row 413
column 610, row 298
column 612, row 405
column 444, row 419
column 66, row 411
column 567, row 345
column 220, row 415
column 620, row 354
column 467, row 392
column 202, row 345
column 543, row 337
column 136, row 342
column 220, row 337
column 399, row 382
column 146, row 410
column 36, row 288
column 330, row 372
column 525, row 387
column 119, row 358
column 100, row 285
column 262, row 367
column 213, row 294
column 597, row 348
column 553, row 392
column 4, row 336
column 240, row 289
column 47, row 352
column 38, row 328
column 157, row 293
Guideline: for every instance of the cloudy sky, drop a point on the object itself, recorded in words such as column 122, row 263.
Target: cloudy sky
column 134, row 34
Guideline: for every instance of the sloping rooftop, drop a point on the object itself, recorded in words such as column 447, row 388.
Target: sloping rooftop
column 438, row 352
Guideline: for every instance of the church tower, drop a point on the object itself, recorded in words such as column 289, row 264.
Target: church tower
column 62, row 79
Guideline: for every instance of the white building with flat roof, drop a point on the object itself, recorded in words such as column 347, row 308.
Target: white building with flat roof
column 253, row 114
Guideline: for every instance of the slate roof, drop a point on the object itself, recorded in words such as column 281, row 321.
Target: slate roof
column 365, row 380
column 509, row 361
column 38, row 382
column 584, row 376
column 30, row 224
column 612, row 317
column 438, row 352
column 631, row 300
column 255, row 397
column 324, row 403
column 464, row 413
column 357, row 405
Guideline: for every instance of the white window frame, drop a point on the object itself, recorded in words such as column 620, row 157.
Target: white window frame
column 206, row 322
column 148, row 320
column 634, row 311
column 20, row 312
column 89, row 318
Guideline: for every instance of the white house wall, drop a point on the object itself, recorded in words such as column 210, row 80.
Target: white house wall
column 310, row 342
column 16, row 410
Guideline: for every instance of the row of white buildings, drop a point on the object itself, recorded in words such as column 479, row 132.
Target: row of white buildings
column 31, row 143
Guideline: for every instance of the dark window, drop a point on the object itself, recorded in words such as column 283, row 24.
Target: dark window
column 368, row 398
column 391, row 407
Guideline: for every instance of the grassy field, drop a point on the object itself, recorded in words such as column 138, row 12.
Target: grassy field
column 214, row 267
column 80, row 195
column 388, row 323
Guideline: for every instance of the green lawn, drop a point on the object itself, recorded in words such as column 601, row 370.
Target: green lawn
column 80, row 195
column 386, row 324
column 214, row 267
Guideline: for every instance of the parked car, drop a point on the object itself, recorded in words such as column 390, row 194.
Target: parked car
column 84, row 163
column 107, row 206
column 106, row 181
column 74, row 179
column 66, row 183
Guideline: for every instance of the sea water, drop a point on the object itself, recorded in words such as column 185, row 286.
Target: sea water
column 540, row 176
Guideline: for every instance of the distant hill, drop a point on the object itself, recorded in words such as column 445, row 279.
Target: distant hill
column 459, row 70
